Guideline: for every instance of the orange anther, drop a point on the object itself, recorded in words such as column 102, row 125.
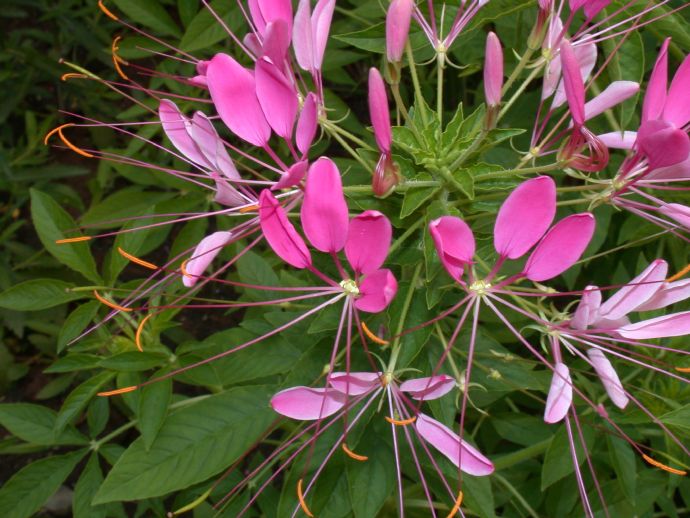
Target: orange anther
column 456, row 506
column 352, row 454
column 659, row 465
column 53, row 132
column 183, row 268
column 136, row 260
column 683, row 369
column 72, row 240
column 680, row 274
column 140, row 328
column 302, row 503
column 106, row 11
column 72, row 75
column 110, row 304
column 117, row 391
column 249, row 208
column 372, row 336
column 117, row 59
column 74, row 148
column 403, row 422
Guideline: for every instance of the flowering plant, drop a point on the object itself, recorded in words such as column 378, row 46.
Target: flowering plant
column 381, row 260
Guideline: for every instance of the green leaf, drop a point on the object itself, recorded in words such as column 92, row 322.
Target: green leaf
column 36, row 424
column 204, row 30
column 76, row 322
column 52, row 223
column 194, row 443
column 77, row 400
column 28, row 489
column 623, row 460
column 128, row 202
column 151, row 14
column 371, row 481
column 85, row 489
column 133, row 361
column 415, row 198
column 153, row 408
column 37, row 294
column 558, row 460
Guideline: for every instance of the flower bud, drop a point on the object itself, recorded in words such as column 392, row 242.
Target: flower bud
column 493, row 70
column 378, row 111
column 397, row 28
column 386, row 175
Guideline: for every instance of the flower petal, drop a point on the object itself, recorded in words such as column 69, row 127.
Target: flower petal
column 677, row 212
column 276, row 42
column 427, row 389
column 464, row 455
column 525, row 216
column 609, row 377
column 586, row 55
column 308, row 404
column 368, row 240
column 233, row 91
column 280, row 233
column 203, row 255
column 303, row 36
column 398, row 20
column 679, row 171
column 176, row 128
column 321, row 27
column 655, row 97
column 292, row 177
column 454, row 243
column 636, row 292
column 307, row 124
column 676, row 324
column 618, row 140
column 614, row 94
column 378, row 111
column 355, row 383
column 573, row 83
column 277, row 98
column 677, row 108
column 587, row 310
column 663, row 144
column 560, row 395
column 376, row 291
column 211, row 146
column 561, row 247
column 324, row 210
column 670, row 293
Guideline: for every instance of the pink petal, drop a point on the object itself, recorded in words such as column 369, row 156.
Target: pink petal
column 275, row 10
column 573, row 83
column 211, row 146
column 636, row 292
column 525, row 216
column 277, row 98
column 562, row 246
column 655, row 98
column 586, row 54
column 303, row 36
column 427, row 389
column 677, row 212
column 308, row 404
column 587, row 310
column 679, row 171
column 677, row 108
column 676, row 324
column 307, row 124
column 280, row 233
column 276, row 42
column 609, row 377
column 378, row 111
column 464, row 455
column 355, row 383
column 226, row 194
column 292, row 177
column 233, row 91
column 594, row 7
column 175, row 125
column 560, row 395
column 614, row 94
column 397, row 28
column 321, row 26
column 663, row 144
column 203, row 255
column 324, row 210
column 368, row 240
column 493, row 70
column 454, row 243
column 253, row 43
column 257, row 15
column 376, row 291
column 618, row 140
column 670, row 293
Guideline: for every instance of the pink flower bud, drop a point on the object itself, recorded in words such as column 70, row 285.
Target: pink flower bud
column 386, row 175
column 493, row 70
column 397, row 28
column 378, row 111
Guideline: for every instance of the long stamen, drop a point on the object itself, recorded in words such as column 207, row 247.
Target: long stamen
column 456, row 506
column 352, row 454
column 105, row 301
column 659, row 465
column 117, row 60
column 140, row 328
column 72, row 240
column 372, row 336
column 136, row 260
column 115, row 392
column 302, row 503
column 401, row 422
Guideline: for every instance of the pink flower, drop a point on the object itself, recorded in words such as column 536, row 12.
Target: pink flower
column 310, row 33
column 398, row 19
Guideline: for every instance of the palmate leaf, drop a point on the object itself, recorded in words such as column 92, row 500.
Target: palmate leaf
column 192, row 445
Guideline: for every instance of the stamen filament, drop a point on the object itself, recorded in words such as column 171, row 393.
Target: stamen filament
column 140, row 327
column 401, row 422
column 106, row 11
column 659, row 465
column 302, row 503
column 680, row 274
column 105, row 301
column 72, row 240
column 115, row 392
column 352, row 454
column 136, row 260
column 372, row 336
column 456, row 506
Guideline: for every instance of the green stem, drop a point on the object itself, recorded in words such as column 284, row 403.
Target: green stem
column 348, row 148
column 403, row 187
column 412, row 229
column 517, row 172
column 507, row 461
column 347, row 134
column 417, row 87
column 440, row 65
column 403, row 316
column 518, row 93
column 518, row 70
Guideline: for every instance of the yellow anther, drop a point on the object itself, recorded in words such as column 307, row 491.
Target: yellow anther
column 456, row 506
column 680, row 274
column 72, row 240
column 110, row 304
column 659, row 465
column 683, row 369
column 116, row 392
column 140, row 328
column 352, row 454
column 302, row 503
column 249, row 208
column 372, row 336
column 74, row 148
column 106, row 11
column 117, row 59
column 72, row 75
column 401, row 422
column 183, row 268
column 136, row 260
